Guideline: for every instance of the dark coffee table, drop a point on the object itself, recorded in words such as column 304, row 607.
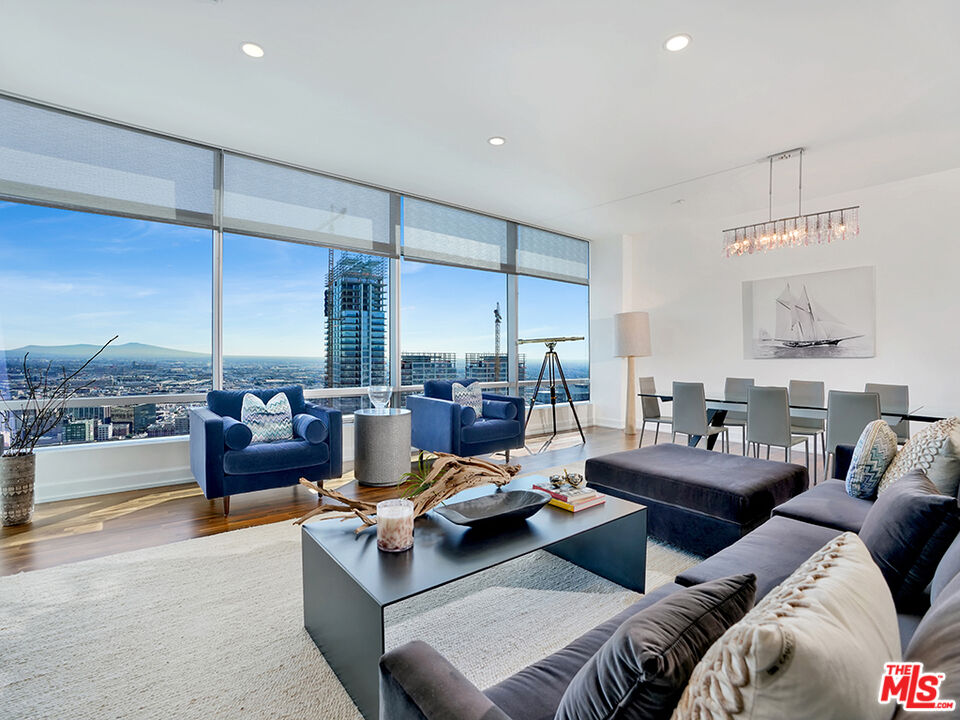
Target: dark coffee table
column 347, row 582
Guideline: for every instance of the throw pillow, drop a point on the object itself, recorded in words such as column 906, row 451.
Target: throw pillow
column 470, row 396
column 236, row 435
column 907, row 531
column 936, row 451
column 310, row 428
column 812, row 649
column 874, row 452
column 268, row 421
column 640, row 672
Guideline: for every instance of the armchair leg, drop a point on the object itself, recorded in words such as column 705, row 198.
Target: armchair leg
column 226, row 505
column 507, row 453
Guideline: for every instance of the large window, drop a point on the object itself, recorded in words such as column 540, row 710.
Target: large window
column 70, row 281
column 549, row 308
column 449, row 318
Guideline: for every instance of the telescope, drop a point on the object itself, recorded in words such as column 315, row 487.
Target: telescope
column 553, row 369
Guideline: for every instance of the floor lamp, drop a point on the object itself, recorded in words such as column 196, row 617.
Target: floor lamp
column 632, row 340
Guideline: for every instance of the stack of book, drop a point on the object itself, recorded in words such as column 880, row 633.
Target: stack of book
column 569, row 497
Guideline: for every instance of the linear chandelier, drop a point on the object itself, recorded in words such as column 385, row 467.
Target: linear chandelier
column 795, row 231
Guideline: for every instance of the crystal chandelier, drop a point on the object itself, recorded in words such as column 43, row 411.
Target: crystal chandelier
column 796, row 231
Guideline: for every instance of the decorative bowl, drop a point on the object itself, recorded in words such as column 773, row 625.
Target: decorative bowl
column 500, row 507
column 379, row 395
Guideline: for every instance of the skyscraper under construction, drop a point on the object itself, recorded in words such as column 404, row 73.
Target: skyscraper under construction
column 355, row 304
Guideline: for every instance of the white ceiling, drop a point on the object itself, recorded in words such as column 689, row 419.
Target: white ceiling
column 404, row 94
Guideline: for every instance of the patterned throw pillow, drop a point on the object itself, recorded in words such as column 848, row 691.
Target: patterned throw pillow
column 812, row 649
column 470, row 396
column 936, row 451
column 875, row 450
column 270, row 422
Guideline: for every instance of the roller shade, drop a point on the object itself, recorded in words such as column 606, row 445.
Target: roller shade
column 442, row 234
column 549, row 255
column 272, row 200
column 57, row 158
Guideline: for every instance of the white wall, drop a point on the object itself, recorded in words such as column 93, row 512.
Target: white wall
column 908, row 231
column 610, row 293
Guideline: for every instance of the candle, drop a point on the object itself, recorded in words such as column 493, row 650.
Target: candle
column 395, row 525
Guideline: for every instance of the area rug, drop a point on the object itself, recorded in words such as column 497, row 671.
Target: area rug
column 213, row 628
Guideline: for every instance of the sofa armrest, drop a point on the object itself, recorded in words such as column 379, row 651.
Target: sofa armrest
column 418, row 683
column 206, row 450
column 841, row 461
column 334, row 422
column 520, row 404
column 435, row 424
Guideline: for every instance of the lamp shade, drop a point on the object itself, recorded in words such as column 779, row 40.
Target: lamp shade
column 632, row 334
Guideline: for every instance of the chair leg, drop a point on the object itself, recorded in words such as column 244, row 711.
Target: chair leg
column 226, row 505
column 768, row 452
column 656, row 434
column 507, row 453
column 789, row 453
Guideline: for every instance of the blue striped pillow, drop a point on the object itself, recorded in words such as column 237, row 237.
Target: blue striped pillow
column 268, row 422
column 873, row 454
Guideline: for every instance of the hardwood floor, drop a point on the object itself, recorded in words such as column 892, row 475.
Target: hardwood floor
column 73, row 530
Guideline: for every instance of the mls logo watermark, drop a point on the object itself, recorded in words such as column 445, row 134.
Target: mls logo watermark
column 911, row 687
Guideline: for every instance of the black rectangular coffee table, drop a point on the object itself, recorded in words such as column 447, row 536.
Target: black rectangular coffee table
column 347, row 582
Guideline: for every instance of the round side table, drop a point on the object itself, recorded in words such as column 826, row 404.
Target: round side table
column 381, row 446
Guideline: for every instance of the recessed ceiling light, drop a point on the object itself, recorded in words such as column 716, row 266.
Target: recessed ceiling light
column 251, row 49
column 496, row 140
column 677, row 42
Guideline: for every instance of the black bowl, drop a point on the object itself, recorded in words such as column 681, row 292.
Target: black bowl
column 500, row 507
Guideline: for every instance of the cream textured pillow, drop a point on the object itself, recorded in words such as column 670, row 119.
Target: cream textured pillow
column 812, row 649
column 936, row 451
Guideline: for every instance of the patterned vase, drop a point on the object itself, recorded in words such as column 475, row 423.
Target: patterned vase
column 17, row 475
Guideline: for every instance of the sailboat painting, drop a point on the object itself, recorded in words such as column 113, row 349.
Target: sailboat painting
column 818, row 315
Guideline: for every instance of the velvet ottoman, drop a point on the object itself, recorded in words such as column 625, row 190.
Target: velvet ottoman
column 698, row 500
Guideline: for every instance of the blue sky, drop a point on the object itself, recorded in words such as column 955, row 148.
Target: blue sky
column 70, row 277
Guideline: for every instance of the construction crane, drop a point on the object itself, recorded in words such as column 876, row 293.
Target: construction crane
column 497, row 319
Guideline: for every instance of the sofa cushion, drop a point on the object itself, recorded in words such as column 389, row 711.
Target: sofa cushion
column 813, row 649
column 228, row 403
column 827, row 504
column 934, row 643
column 236, row 435
column 908, row 530
column 309, row 428
column 873, row 454
column 640, row 672
column 735, row 488
column 534, row 693
column 936, row 451
column 771, row 552
column 486, row 430
column 281, row 455
column 947, row 569
column 499, row 410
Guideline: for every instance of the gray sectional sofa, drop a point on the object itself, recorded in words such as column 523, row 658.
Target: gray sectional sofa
column 417, row 683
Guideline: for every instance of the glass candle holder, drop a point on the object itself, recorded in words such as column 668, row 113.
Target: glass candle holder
column 394, row 525
column 379, row 395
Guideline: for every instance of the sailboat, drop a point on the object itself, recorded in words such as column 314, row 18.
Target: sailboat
column 802, row 322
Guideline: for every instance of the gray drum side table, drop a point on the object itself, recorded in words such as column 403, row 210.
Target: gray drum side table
column 381, row 445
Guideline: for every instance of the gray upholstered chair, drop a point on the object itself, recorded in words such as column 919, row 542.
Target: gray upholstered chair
column 690, row 414
column 848, row 413
column 894, row 399
column 737, row 389
column 650, row 409
column 768, row 422
column 810, row 393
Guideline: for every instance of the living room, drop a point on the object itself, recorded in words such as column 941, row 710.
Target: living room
column 487, row 264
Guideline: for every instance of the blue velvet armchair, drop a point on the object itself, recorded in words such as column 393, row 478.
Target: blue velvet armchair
column 225, row 463
column 441, row 425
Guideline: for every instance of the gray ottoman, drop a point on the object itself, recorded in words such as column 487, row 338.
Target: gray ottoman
column 698, row 500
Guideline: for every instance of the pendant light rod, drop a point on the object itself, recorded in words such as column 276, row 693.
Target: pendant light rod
column 800, row 187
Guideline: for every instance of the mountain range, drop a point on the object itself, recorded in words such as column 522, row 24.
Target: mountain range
column 125, row 351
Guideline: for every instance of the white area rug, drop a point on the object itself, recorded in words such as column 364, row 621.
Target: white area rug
column 213, row 628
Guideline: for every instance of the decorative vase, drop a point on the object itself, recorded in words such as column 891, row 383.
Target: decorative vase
column 379, row 395
column 17, row 477
column 394, row 525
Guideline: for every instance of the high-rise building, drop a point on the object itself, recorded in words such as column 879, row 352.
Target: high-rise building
column 78, row 431
column 355, row 304
column 143, row 416
column 416, row 368
column 483, row 367
column 104, row 432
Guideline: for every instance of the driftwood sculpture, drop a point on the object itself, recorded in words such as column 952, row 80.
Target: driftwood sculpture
column 448, row 476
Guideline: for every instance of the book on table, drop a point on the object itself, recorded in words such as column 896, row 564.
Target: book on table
column 567, row 493
column 598, row 499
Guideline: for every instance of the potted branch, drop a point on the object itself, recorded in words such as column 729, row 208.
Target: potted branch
column 28, row 419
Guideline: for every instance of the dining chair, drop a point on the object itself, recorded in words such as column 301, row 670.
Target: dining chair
column 809, row 393
column 650, row 409
column 768, row 423
column 736, row 390
column 895, row 399
column 690, row 414
column 848, row 413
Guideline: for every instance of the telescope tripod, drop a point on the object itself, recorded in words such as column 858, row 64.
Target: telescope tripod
column 553, row 369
